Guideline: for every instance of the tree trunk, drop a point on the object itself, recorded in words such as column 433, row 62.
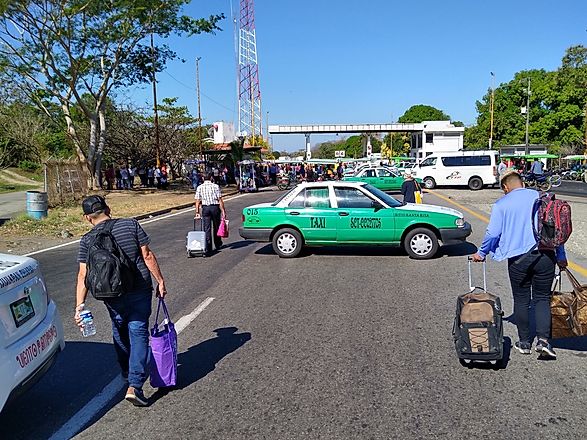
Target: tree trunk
column 101, row 145
column 72, row 133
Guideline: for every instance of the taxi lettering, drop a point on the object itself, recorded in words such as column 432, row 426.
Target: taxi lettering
column 318, row 222
column 37, row 347
column 412, row 214
column 365, row 223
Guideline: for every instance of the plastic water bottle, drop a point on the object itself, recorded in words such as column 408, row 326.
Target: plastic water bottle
column 88, row 327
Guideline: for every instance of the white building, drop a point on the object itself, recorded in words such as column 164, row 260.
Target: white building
column 224, row 132
column 436, row 137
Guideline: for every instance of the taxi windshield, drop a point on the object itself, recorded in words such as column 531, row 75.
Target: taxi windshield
column 383, row 196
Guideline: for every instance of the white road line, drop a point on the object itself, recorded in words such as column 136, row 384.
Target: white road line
column 87, row 413
column 144, row 222
column 186, row 320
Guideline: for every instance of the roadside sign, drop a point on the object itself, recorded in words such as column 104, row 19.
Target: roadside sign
column 339, row 153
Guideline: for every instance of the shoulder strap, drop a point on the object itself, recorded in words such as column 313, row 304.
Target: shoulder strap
column 108, row 225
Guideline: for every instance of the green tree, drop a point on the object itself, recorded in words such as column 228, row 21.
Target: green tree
column 419, row 113
column 63, row 49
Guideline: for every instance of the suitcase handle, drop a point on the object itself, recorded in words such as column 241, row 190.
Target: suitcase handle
column 201, row 224
column 471, row 287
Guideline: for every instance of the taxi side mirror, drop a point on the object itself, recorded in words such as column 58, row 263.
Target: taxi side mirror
column 376, row 205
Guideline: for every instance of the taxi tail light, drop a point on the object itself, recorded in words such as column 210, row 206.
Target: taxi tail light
column 494, row 170
column 243, row 219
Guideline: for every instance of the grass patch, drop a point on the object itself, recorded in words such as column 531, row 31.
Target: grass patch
column 14, row 187
column 36, row 176
column 57, row 220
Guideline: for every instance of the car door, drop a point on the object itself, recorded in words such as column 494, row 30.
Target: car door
column 311, row 212
column 359, row 221
column 388, row 180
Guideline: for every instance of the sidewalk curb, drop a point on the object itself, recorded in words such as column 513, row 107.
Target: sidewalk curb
column 175, row 208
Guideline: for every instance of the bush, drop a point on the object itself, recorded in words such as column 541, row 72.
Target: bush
column 29, row 165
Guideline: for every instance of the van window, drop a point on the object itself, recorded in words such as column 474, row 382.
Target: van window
column 428, row 162
column 466, row 161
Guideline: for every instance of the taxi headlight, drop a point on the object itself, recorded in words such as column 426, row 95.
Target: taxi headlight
column 460, row 222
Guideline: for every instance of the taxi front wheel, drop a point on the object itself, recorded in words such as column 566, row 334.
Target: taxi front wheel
column 287, row 243
column 421, row 243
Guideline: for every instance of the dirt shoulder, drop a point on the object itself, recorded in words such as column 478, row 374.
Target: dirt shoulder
column 23, row 235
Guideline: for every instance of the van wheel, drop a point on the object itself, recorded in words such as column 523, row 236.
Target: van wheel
column 421, row 244
column 429, row 183
column 475, row 183
column 287, row 243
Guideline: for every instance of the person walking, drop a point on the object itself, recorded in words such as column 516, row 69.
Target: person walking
column 150, row 177
column 209, row 197
column 409, row 188
column 129, row 312
column 124, row 176
column 510, row 236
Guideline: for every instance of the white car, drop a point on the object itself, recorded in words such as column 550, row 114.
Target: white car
column 31, row 332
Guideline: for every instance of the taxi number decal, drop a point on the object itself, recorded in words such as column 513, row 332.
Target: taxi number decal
column 412, row 214
column 365, row 223
column 318, row 222
column 252, row 211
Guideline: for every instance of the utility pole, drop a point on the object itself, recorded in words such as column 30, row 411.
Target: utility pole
column 491, row 108
column 199, row 112
column 527, row 116
column 155, row 111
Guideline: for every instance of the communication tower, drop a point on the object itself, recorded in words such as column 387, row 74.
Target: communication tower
column 249, row 93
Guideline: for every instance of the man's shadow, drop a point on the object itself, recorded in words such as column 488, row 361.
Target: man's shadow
column 201, row 359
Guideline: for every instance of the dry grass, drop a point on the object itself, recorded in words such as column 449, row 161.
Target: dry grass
column 70, row 219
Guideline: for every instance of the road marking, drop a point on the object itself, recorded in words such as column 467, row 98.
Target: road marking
column 573, row 266
column 90, row 409
column 186, row 320
column 156, row 219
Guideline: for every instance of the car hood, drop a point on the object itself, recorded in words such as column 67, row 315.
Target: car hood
column 430, row 208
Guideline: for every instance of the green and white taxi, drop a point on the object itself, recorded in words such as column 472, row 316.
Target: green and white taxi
column 384, row 178
column 351, row 213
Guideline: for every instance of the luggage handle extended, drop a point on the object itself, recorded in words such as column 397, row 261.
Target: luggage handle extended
column 201, row 224
column 471, row 287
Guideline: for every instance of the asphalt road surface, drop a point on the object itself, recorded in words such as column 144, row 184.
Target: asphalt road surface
column 570, row 188
column 341, row 343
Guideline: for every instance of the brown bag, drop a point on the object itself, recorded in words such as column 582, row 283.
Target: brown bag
column 569, row 310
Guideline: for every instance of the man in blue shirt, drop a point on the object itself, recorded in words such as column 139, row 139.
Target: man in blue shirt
column 510, row 235
column 537, row 168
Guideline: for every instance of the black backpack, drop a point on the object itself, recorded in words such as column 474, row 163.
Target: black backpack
column 110, row 273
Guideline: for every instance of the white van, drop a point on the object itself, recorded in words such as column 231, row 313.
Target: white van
column 31, row 333
column 474, row 169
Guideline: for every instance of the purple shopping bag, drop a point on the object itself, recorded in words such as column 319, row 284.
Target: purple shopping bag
column 163, row 350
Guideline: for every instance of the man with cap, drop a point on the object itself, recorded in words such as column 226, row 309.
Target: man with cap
column 129, row 312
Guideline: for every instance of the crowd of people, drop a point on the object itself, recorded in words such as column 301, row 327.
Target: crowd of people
column 124, row 177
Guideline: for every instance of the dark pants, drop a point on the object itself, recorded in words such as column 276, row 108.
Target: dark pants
column 531, row 277
column 130, row 332
column 211, row 219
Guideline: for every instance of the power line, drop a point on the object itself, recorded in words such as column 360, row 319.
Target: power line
column 232, row 110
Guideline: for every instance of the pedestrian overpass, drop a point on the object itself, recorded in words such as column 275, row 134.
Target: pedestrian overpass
column 425, row 129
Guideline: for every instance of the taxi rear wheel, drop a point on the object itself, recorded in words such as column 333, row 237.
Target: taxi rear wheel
column 429, row 182
column 421, row 243
column 287, row 243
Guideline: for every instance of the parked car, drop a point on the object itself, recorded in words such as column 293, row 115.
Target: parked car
column 383, row 178
column 351, row 213
column 31, row 332
column 474, row 169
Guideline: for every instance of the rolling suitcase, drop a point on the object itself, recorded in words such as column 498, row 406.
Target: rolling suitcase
column 196, row 241
column 478, row 325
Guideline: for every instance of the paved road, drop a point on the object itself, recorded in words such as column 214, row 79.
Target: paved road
column 12, row 204
column 338, row 344
column 569, row 188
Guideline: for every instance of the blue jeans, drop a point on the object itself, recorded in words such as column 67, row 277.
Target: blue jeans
column 531, row 278
column 130, row 331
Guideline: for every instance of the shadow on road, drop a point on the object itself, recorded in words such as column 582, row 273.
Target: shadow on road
column 457, row 250
column 201, row 359
column 239, row 244
column 80, row 372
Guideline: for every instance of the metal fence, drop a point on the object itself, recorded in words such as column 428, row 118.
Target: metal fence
column 66, row 181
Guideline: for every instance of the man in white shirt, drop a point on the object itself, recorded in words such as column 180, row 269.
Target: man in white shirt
column 209, row 196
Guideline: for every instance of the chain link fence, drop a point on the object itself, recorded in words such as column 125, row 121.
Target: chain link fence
column 66, row 182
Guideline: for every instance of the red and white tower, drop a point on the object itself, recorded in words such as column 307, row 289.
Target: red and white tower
column 249, row 93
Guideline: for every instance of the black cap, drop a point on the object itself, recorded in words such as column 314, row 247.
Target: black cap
column 94, row 204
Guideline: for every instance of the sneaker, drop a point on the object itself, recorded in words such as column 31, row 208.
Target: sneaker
column 136, row 397
column 523, row 347
column 543, row 347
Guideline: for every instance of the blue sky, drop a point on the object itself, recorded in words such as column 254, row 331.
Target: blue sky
column 368, row 61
